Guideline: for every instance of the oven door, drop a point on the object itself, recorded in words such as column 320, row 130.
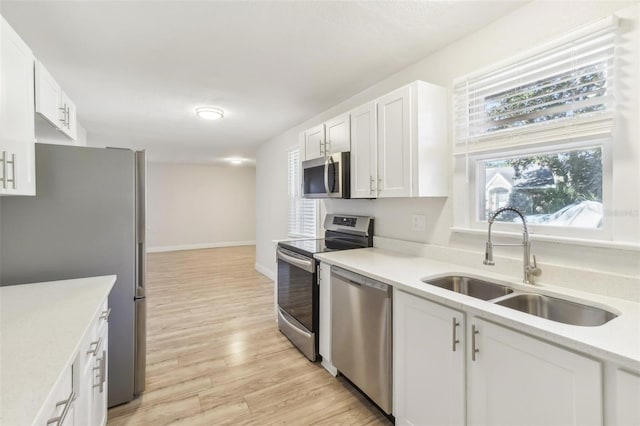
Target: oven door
column 326, row 177
column 298, row 301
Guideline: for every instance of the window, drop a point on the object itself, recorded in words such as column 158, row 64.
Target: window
column 554, row 189
column 302, row 212
column 534, row 133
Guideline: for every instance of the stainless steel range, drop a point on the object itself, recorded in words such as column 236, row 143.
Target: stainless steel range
column 298, row 292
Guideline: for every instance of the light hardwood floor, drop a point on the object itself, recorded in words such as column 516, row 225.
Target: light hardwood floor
column 215, row 355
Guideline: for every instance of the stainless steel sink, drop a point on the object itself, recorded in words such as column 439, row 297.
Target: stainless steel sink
column 558, row 310
column 473, row 287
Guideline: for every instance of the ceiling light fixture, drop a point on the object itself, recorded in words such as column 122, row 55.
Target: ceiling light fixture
column 235, row 161
column 209, row 113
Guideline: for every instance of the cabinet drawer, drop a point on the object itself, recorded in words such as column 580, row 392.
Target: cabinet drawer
column 94, row 341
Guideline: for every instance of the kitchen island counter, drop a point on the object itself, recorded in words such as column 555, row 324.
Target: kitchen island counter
column 41, row 326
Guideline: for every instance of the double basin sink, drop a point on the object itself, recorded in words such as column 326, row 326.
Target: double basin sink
column 551, row 308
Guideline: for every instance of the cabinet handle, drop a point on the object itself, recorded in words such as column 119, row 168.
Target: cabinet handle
column 455, row 325
column 64, row 115
column 474, row 350
column 4, row 169
column 68, row 117
column 102, row 371
column 328, row 142
column 95, row 350
column 105, row 315
column 13, row 170
column 67, row 406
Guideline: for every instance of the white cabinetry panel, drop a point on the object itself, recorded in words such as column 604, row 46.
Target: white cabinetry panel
column 519, row 380
column 394, row 144
column 364, row 173
column 627, row 407
column 17, row 131
column 429, row 360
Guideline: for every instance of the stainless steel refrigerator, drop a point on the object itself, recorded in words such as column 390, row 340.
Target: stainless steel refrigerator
column 87, row 219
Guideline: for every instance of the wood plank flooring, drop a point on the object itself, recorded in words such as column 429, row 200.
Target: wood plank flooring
column 215, row 355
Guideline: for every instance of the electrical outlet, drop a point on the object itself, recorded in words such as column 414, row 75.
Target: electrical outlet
column 419, row 222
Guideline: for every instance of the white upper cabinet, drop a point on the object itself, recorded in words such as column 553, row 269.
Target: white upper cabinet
column 327, row 138
column 54, row 106
column 394, row 144
column 313, row 140
column 519, row 380
column 412, row 142
column 405, row 155
column 17, row 133
column 364, row 173
column 48, row 96
column 337, row 135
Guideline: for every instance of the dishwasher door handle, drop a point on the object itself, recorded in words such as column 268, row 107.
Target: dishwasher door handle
column 358, row 280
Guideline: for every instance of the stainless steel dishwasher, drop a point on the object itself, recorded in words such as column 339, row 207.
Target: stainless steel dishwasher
column 361, row 333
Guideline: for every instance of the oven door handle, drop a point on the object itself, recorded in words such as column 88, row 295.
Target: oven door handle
column 307, row 265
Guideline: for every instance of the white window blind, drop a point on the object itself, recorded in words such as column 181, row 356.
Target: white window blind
column 302, row 211
column 559, row 91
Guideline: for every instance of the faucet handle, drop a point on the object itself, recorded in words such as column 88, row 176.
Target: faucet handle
column 534, row 270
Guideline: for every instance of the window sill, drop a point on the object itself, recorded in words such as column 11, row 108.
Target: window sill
column 554, row 239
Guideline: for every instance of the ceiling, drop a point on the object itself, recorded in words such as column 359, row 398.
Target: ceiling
column 137, row 70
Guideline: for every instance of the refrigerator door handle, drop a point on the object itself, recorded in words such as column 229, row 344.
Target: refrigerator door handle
column 142, row 266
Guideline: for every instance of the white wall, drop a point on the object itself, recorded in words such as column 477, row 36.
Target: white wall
column 197, row 206
column 532, row 24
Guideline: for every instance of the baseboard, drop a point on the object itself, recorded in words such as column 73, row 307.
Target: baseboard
column 265, row 271
column 199, row 246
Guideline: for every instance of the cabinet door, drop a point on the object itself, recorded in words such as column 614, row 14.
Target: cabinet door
column 394, row 144
column 364, row 174
column 519, row 380
column 17, row 126
column 314, row 143
column 428, row 362
column 338, row 137
column 627, row 405
column 48, row 96
column 325, row 317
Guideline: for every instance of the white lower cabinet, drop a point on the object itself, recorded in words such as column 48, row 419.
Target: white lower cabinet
column 324, row 281
column 511, row 378
column 428, row 362
column 627, row 400
column 519, row 380
column 80, row 397
column 61, row 405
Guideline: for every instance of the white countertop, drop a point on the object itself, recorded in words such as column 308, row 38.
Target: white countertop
column 41, row 328
column 617, row 341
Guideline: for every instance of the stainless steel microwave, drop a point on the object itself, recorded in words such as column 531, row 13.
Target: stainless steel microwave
column 327, row 177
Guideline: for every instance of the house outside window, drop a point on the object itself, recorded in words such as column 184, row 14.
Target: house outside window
column 535, row 133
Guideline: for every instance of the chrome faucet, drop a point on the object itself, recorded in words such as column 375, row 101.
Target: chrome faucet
column 530, row 271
